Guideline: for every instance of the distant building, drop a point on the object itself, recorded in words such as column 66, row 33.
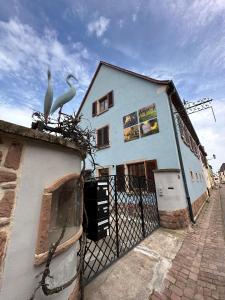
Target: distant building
column 222, row 173
column 143, row 129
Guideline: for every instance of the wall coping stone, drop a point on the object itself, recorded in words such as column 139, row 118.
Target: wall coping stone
column 10, row 128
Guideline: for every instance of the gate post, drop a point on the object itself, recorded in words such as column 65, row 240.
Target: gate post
column 116, row 213
column 141, row 207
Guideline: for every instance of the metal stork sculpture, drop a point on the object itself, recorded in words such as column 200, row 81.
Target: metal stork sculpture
column 45, row 121
column 60, row 101
column 65, row 125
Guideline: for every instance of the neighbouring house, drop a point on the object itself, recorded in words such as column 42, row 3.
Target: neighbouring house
column 208, row 173
column 210, row 177
column 142, row 129
column 39, row 189
column 222, row 173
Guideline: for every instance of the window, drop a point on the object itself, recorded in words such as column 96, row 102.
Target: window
column 192, row 176
column 187, row 137
column 103, row 137
column 196, row 174
column 181, row 127
column 145, row 171
column 103, row 104
column 103, row 172
column 137, row 169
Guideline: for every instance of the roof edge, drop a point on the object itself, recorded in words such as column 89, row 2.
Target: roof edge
column 157, row 81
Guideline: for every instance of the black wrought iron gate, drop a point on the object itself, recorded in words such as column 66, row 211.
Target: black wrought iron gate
column 133, row 216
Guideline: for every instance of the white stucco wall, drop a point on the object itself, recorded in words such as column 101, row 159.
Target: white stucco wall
column 207, row 177
column 170, row 191
column 42, row 164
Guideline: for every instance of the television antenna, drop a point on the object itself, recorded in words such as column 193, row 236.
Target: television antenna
column 192, row 107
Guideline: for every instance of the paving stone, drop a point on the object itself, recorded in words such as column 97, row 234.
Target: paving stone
column 189, row 292
column 198, row 270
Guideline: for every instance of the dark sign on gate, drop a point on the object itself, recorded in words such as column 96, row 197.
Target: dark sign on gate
column 96, row 201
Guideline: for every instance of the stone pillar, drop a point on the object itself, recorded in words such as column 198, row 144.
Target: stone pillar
column 171, row 198
column 30, row 162
column 10, row 158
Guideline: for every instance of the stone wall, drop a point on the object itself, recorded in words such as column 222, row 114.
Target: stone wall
column 198, row 203
column 180, row 218
column 174, row 219
column 31, row 161
column 10, row 157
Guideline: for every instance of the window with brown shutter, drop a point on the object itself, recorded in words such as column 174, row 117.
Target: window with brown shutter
column 120, row 178
column 150, row 165
column 110, row 99
column 137, row 175
column 103, row 137
column 103, row 104
column 143, row 170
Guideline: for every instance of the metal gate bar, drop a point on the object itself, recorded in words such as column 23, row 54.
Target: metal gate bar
column 133, row 216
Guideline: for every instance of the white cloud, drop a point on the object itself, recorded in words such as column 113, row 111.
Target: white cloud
column 127, row 50
column 105, row 42
column 193, row 13
column 134, row 17
column 25, row 56
column 17, row 115
column 121, row 23
column 99, row 26
column 192, row 17
column 25, row 52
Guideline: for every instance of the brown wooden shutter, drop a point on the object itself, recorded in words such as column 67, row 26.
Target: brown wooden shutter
column 106, row 135
column 99, row 137
column 94, row 109
column 120, row 179
column 120, row 170
column 110, row 99
column 150, row 165
column 103, row 136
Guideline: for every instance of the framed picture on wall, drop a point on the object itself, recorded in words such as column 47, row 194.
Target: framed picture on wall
column 147, row 113
column 131, row 133
column 130, row 120
column 149, row 127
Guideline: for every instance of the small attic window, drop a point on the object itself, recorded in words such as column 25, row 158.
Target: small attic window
column 103, row 104
column 61, row 207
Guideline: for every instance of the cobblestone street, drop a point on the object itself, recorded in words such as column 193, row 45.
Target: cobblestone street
column 198, row 270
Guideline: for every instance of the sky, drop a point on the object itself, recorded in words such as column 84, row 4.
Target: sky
column 169, row 39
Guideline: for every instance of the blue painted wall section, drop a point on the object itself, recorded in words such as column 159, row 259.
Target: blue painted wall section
column 131, row 94
column 192, row 164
